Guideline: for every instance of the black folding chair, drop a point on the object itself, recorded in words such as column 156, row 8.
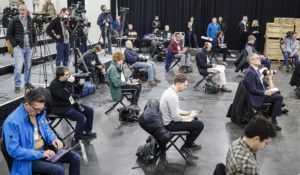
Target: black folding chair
column 55, row 120
column 127, row 95
column 208, row 78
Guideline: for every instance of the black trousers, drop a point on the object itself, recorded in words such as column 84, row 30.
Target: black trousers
column 243, row 40
column 224, row 51
column 195, row 127
column 135, row 90
column 276, row 100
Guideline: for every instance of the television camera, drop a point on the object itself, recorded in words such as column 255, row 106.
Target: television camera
column 39, row 19
column 8, row 14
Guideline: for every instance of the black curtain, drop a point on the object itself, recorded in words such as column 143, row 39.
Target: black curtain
column 176, row 13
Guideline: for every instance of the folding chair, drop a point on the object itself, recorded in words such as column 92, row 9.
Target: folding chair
column 291, row 60
column 207, row 78
column 55, row 120
column 169, row 63
column 175, row 135
column 124, row 94
column 138, row 73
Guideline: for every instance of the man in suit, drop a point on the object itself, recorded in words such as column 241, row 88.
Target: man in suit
column 257, row 91
column 207, row 67
column 243, row 28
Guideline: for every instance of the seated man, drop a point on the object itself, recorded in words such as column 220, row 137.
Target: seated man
column 61, row 90
column 219, row 46
column 28, row 137
column 95, row 67
column 133, row 59
column 118, row 83
column 241, row 156
column 290, row 46
column 257, row 91
column 178, row 51
column 250, row 48
column 130, row 32
column 176, row 119
column 203, row 62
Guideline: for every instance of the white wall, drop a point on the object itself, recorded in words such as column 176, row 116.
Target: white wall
column 92, row 12
column 3, row 4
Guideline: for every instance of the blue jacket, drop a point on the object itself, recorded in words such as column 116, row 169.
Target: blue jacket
column 254, row 87
column 212, row 30
column 131, row 56
column 18, row 132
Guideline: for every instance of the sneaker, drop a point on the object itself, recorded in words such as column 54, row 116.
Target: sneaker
column 284, row 110
column 276, row 126
column 75, row 144
column 224, row 89
column 188, row 152
column 224, row 63
column 152, row 83
column 17, row 89
column 90, row 135
column 195, row 147
column 29, row 86
column 157, row 80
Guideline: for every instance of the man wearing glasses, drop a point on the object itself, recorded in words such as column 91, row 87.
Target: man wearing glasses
column 27, row 138
column 63, row 104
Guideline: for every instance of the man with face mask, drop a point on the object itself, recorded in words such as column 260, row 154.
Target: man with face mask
column 93, row 64
column 63, row 104
column 58, row 30
column 22, row 36
column 48, row 7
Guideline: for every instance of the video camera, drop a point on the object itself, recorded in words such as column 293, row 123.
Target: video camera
column 124, row 9
column 8, row 13
column 41, row 18
column 289, row 34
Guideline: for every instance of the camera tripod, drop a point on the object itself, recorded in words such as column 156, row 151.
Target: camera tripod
column 45, row 55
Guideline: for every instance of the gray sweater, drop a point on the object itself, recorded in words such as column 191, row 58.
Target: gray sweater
column 169, row 106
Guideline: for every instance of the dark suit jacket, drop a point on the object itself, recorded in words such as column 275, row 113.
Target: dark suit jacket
column 254, row 87
column 241, row 27
column 201, row 60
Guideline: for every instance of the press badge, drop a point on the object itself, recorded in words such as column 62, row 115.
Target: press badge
column 71, row 99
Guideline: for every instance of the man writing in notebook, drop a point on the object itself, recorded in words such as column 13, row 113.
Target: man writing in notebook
column 27, row 137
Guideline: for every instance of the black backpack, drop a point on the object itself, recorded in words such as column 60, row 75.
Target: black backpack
column 185, row 69
column 127, row 114
column 211, row 88
column 148, row 152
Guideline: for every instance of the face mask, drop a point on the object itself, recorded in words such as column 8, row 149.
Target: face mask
column 71, row 79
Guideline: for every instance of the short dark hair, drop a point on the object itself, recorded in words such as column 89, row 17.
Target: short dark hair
column 179, row 78
column 259, row 126
column 219, row 33
column 63, row 10
column 60, row 71
column 35, row 95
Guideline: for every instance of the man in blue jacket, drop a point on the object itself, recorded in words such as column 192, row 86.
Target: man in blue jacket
column 132, row 58
column 28, row 136
column 213, row 28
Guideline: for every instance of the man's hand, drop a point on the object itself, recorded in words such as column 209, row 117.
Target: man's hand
column 48, row 153
column 57, row 143
column 57, row 36
column 268, row 93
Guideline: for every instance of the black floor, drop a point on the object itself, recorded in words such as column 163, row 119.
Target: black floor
column 113, row 153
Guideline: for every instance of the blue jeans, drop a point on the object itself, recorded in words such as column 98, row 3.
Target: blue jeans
column 84, row 120
column 43, row 166
column 193, row 36
column 149, row 66
column 22, row 55
column 286, row 58
column 62, row 55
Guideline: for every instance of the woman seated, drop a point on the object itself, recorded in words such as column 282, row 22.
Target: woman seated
column 220, row 47
column 118, row 84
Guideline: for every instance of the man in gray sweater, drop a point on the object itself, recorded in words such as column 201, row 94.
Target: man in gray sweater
column 176, row 119
column 290, row 47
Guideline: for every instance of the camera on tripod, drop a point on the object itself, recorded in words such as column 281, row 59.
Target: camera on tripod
column 8, row 13
column 39, row 19
column 124, row 9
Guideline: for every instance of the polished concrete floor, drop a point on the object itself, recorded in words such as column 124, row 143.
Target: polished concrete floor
column 113, row 152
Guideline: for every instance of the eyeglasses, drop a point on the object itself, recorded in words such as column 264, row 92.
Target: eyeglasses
column 37, row 110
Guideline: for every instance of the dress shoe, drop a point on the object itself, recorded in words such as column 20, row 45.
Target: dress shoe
column 29, row 86
column 152, row 83
column 188, row 152
column 224, row 89
column 88, row 136
column 276, row 126
column 195, row 147
column 284, row 110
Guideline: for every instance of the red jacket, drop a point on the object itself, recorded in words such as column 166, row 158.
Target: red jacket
column 175, row 47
